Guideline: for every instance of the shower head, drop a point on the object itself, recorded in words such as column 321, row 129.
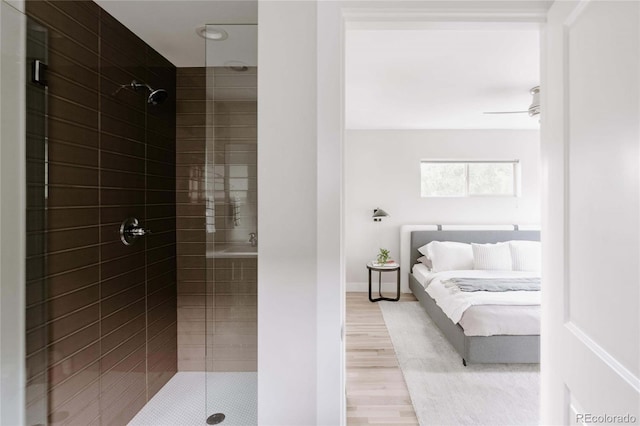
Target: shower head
column 156, row 96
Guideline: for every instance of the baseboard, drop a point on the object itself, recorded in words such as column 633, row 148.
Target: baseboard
column 389, row 289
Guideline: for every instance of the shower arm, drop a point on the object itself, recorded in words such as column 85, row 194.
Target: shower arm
column 136, row 85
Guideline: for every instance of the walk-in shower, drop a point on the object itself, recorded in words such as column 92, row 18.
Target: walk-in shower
column 217, row 238
column 141, row 292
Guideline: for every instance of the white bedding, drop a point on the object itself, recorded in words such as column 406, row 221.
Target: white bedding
column 495, row 320
column 422, row 273
column 484, row 313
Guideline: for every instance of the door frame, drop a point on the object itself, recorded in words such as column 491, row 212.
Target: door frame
column 334, row 19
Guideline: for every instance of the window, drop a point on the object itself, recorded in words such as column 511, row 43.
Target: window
column 469, row 178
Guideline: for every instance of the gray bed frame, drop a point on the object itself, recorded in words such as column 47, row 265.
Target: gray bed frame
column 474, row 349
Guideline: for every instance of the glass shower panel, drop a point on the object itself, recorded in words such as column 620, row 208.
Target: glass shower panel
column 36, row 271
column 231, row 223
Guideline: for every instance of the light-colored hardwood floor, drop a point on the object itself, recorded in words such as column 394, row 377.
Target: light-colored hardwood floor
column 376, row 390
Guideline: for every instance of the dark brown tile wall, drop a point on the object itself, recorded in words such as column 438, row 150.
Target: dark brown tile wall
column 102, row 317
column 191, row 111
column 217, row 297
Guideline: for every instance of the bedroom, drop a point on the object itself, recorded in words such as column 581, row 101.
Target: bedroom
column 419, row 146
column 588, row 180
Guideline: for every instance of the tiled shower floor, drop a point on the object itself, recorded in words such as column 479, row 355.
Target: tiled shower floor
column 181, row 402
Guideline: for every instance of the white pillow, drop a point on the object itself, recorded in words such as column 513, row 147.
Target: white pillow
column 425, row 261
column 526, row 255
column 492, row 257
column 449, row 256
column 424, row 250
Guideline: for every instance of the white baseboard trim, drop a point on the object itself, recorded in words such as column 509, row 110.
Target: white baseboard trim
column 388, row 289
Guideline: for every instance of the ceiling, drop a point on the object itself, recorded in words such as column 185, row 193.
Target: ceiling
column 170, row 26
column 398, row 76
column 441, row 77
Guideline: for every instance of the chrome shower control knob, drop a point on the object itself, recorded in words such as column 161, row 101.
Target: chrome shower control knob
column 130, row 231
column 138, row 232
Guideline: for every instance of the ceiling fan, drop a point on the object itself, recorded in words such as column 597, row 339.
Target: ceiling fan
column 534, row 108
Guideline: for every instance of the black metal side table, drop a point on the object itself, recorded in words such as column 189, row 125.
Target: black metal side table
column 380, row 270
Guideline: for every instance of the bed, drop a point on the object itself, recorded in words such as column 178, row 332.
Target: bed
column 475, row 346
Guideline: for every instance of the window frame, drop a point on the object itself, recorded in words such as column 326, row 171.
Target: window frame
column 516, row 178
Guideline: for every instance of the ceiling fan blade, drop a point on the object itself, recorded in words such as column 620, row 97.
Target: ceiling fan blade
column 506, row 112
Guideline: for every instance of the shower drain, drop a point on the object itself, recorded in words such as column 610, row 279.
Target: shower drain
column 215, row 419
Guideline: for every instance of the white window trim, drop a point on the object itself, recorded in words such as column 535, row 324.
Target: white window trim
column 516, row 179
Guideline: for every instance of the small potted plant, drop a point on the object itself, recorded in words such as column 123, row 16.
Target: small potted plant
column 383, row 256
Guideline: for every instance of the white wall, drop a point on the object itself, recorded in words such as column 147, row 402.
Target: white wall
column 300, row 263
column 382, row 169
column 331, row 400
column 287, row 252
column 12, row 208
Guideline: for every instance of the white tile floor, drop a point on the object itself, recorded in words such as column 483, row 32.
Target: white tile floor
column 181, row 402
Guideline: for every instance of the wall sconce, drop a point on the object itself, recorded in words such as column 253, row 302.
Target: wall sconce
column 378, row 214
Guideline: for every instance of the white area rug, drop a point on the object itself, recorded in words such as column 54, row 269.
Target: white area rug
column 443, row 391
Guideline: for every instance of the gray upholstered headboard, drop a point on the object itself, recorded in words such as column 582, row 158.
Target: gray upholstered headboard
column 420, row 238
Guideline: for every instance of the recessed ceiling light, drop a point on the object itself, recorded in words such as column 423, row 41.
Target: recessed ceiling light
column 211, row 33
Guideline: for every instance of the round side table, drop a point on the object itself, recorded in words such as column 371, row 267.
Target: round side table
column 380, row 270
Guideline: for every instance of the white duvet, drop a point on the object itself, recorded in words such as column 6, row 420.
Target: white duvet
column 454, row 302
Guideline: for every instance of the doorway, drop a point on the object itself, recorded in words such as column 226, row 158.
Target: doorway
column 385, row 143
